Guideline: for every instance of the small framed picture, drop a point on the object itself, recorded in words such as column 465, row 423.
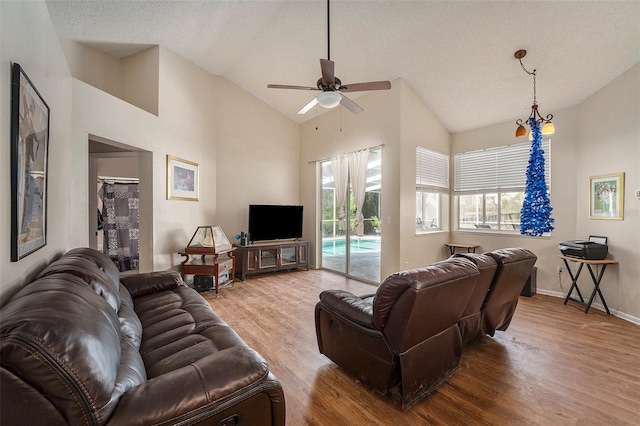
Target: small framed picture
column 182, row 179
column 29, row 164
column 606, row 197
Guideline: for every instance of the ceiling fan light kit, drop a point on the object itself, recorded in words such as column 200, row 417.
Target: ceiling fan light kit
column 331, row 87
column 329, row 99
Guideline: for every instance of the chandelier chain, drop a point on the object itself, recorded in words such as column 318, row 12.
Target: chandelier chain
column 534, row 80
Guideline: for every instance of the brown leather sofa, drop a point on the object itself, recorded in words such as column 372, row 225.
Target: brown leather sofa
column 406, row 340
column 81, row 346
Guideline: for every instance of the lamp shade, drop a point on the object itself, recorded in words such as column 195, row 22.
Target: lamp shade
column 521, row 131
column 548, row 128
column 329, row 99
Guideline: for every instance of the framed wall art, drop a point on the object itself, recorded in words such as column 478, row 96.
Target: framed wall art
column 182, row 179
column 29, row 164
column 606, row 196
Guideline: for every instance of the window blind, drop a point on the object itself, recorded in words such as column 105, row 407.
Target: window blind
column 500, row 168
column 432, row 169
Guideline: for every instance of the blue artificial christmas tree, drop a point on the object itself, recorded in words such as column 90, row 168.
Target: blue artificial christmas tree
column 535, row 216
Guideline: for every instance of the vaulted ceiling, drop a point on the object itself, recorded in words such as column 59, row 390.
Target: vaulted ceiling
column 456, row 55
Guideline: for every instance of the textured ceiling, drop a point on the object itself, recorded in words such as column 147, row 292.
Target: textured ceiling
column 456, row 55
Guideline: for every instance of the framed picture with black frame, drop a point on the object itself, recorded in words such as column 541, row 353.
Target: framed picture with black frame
column 29, row 164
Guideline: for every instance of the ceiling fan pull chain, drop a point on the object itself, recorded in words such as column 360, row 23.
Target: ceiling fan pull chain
column 340, row 106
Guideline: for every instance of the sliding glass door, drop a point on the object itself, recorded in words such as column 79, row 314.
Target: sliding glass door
column 351, row 235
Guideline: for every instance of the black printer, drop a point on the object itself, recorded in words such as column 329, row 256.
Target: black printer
column 594, row 249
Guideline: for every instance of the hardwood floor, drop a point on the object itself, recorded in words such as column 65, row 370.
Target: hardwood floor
column 555, row 365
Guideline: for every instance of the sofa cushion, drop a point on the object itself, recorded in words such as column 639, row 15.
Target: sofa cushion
column 180, row 328
column 66, row 339
column 92, row 275
column 100, row 259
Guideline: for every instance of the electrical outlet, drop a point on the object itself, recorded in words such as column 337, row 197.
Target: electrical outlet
column 559, row 269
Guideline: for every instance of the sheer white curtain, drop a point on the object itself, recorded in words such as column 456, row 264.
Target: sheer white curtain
column 358, row 162
column 340, row 178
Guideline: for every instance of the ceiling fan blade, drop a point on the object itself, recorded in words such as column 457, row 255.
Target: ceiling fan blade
column 286, row 86
column 328, row 72
column 361, row 87
column 350, row 105
column 308, row 106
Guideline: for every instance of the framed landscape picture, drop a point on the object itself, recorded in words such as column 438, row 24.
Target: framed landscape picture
column 606, row 196
column 29, row 164
column 182, row 179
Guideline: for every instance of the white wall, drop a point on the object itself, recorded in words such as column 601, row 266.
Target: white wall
column 35, row 47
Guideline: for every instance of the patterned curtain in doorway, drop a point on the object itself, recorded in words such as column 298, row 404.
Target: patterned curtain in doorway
column 121, row 224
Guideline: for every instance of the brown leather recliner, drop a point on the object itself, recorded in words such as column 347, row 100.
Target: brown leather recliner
column 503, row 274
column 514, row 268
column 471, row 324
column 404, row 340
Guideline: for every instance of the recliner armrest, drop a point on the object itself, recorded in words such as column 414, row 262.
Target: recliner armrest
column 350, row 306
column 141, row 284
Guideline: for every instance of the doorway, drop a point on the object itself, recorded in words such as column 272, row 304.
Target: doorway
column 351, row 243
column 116, row 162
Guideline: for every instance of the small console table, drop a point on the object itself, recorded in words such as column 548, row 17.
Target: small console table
column 596, row 280
column 209, row 264
column 471, row 248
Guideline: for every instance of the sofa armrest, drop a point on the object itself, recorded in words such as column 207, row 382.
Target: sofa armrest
column 141, row 284
column 349, row 306
column 204, row 390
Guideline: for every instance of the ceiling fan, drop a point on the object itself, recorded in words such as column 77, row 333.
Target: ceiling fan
column 331, row 87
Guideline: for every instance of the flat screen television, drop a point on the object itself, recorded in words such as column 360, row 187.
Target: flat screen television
column 274, row 222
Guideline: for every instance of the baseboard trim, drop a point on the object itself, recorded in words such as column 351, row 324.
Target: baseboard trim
column 595, row 305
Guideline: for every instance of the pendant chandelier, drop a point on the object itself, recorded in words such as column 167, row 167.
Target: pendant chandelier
column 535, row 119
column 535, row 215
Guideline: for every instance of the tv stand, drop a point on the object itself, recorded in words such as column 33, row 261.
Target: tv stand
column 262, row 257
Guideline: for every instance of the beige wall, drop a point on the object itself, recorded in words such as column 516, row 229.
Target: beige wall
column 249, row 153
column 124, row 165
column 35, row 47
column 93, row 67
column 419, row 127
column 133, row 79
column 608, row 131
column 600, row 136
column 401, row 122
column 563, row 195
column 195, row 109
column 258, row 153
column 140, row 79
column 379, row 124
